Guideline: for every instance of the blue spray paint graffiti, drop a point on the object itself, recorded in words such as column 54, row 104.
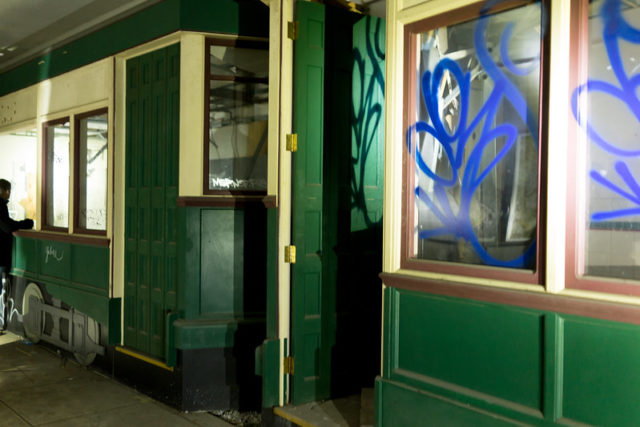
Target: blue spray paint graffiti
column 469, row 170
column 615, row 29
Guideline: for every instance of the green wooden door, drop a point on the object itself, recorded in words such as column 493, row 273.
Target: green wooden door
column 312, row 357
column 151, row 189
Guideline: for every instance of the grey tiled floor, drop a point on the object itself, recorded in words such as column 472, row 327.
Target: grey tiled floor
column 38, row 387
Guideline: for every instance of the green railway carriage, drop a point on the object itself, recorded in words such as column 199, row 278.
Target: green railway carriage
column 243, row 203
column 149, row 249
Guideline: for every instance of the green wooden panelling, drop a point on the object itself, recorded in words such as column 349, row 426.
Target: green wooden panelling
column 25, row 256
column 399, row 405
column 246, row 17
column 115, row 305
column 222, row 262
column 76, row 274
column 530, row 366
column 601, row 366
column 272, row 273
column 270, row 361
column 269, row 350
column 171, row 353
column 457, row 350
column 210, row 333
column 168, row 16
column 55, row 260
column 97, row 259
column 311, row 379
column 189, row 273
column 151, row 189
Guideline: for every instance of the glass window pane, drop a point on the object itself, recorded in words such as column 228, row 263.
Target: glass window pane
column 474, row 140
column 608, row 110
column 18, row 165
column 57, row 177
column 238, row 61
column 238, row 135
column 92, row 191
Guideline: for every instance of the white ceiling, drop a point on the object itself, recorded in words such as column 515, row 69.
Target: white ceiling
column 29, row 28
column 373, row 7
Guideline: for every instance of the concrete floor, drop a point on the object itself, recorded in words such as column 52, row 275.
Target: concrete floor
column 40, row 387
column 351, row 411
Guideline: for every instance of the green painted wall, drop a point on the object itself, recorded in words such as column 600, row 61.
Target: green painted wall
column 222, row 274
column 76, row 274
column 245, row 17
column 455, row 361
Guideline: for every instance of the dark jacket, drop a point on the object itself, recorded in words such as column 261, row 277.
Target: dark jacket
column 8, row 226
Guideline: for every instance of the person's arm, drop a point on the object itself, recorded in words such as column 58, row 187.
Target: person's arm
column 7, row 224
column 25, row 224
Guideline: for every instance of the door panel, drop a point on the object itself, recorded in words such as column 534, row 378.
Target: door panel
column 150, row 199
column 311, row 380
column 337, row 201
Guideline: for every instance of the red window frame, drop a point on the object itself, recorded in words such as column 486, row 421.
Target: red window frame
column 407, row 261
column 250, row 44
column 76, row 174
column 45, row 171
column 575, row 243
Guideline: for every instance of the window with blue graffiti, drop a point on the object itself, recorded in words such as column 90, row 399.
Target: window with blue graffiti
column 472, row 140
column 607, row 108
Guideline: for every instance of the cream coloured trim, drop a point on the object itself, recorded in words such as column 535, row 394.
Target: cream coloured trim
column 18, row 107
column 284, row 194
column 117, row 236
column 274, row 100
column 557, row 197
column 75, row 111
column 192, row 99
column 16, row 127
column 417, row 11
column 392, row 218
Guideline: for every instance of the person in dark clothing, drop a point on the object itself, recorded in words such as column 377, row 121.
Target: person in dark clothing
column 7, row 227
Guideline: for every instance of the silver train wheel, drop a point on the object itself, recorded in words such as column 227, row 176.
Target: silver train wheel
column 93, row 333
column 33, row 333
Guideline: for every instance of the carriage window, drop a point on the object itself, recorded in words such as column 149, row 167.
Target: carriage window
column 472, row 137
column 236, row 111
column 56, row 176
column 607, row 108
column 91, row 170
column 18, row 165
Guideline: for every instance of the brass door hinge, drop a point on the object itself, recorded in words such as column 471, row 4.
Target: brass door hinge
column 293, row 29
column 288, row 365
column 292, row 142
column 290, row 254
